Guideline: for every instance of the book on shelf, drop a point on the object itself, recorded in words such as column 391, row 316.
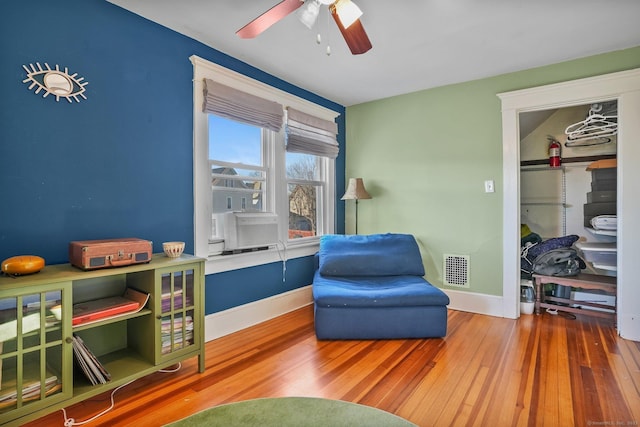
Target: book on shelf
column 91, row 311
column 177, row 342
column 178, row 298
column 167, row 293
column 177, row 324
column 89, row 363
column 166, row 302
column 182, row 333
column 31, row 389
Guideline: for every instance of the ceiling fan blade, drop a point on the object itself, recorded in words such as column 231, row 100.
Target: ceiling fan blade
column 267, row 19
column 355, row 36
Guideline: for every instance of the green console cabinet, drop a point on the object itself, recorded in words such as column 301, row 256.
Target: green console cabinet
column 38, row 373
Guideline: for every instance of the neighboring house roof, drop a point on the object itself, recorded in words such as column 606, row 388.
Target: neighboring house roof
column 222, row 182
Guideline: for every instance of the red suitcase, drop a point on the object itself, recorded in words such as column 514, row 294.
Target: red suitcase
column 94, row 254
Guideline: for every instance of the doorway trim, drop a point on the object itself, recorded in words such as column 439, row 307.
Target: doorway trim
column 624, row 87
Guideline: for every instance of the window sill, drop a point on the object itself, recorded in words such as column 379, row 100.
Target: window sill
column 222, row 263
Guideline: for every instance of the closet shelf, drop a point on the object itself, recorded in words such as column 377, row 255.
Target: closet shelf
column 541, row 168
column 564, row 205
column 544, row 163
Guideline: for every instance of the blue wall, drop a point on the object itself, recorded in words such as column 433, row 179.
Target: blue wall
column 118, row 164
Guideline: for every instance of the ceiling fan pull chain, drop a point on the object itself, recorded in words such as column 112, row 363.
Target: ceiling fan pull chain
column 328, row 41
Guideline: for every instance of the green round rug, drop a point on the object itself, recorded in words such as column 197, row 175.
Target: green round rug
column 292, row 411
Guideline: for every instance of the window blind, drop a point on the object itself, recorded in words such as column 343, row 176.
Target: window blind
column 311, row 135
column 240, row 106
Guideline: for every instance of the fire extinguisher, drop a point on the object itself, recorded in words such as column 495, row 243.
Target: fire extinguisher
column 555, row 155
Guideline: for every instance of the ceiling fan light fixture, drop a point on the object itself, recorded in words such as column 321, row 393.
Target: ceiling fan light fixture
column 344, row 12
column 347, row 11
column 309, row 13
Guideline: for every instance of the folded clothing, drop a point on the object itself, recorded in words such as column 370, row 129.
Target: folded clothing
column 550, row 244
column 605, row 222
column 530, row 252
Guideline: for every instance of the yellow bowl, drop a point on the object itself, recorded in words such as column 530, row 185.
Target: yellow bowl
column 173, row 249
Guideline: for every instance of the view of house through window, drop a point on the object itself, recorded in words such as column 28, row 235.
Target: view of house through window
column 238, row 170
column 239, row 164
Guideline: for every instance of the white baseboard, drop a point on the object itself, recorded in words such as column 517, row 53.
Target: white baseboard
column 491, row 305
column 234, row 319
column 241, row 317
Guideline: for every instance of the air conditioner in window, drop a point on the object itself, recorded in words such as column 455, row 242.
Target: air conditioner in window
column 246, row 230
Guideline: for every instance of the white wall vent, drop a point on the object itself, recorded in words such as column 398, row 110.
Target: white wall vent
column 456, row 270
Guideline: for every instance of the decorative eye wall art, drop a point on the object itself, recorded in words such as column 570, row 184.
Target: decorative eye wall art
column 58, row 83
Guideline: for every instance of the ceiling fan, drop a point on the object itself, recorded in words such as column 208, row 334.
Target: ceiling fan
column 344, row 12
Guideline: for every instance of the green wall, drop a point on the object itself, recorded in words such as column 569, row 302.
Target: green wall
column 424, row 157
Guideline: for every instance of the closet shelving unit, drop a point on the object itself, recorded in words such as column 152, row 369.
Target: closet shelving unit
column 557, row 198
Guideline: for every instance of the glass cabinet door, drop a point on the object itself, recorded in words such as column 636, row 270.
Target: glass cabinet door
column 32, row 351
column 177, row 311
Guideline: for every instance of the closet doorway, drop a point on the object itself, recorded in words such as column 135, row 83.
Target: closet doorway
column 624, row 88
column 556, row 201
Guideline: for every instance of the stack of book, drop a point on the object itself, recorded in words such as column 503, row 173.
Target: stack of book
column 89, row 363
column 181, row 336
column 30, row 391
column 177, row 300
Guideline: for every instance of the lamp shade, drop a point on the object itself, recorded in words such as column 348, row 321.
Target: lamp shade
column 355, row 190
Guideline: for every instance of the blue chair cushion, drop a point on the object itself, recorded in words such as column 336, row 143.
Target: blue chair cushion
column 370, row 255
column 376, row 291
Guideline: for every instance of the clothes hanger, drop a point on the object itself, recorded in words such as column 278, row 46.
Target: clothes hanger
column 595, row 129
column 595, row 124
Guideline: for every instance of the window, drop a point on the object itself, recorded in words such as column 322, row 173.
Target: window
column 305, row 190
column 240, row 167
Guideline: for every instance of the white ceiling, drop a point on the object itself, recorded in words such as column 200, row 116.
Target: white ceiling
column 417, row 44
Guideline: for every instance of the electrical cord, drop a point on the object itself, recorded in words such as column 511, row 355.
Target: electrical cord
column 69, row 422
column 283, row 259
column 170, row 371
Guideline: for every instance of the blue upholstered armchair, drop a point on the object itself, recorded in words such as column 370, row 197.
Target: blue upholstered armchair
column 372, row 287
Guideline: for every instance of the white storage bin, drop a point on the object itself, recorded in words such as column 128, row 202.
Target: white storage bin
column 593, row 297
column 601, row 254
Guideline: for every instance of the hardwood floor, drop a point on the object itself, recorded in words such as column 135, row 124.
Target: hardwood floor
column 536, row 371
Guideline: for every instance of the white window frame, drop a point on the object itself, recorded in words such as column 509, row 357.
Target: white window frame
column 203, row 69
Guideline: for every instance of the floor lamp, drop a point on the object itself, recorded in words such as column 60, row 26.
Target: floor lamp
column 356, row 191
